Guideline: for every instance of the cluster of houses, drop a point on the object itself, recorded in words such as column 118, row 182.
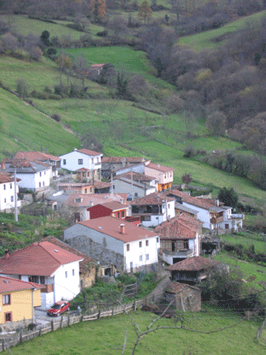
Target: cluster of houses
column 129, row 222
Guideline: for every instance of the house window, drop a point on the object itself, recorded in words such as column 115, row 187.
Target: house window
column 45, row 173
column 147, row 243
column 12, row 198
column 136, row 194
column 140, row 244
column 6, row 299
column 147, row 257
column 40, row 173
column 4, row 186
column 66, row 274
column 40, row 184
column 113, row 187
column 80, row 161
column 42, row 280
column 43, row 183
column 123, row 214
column 78, row 200
column 10, row 186
column 86, row 191
column 168, row 205
column 4, row 200
column 84, row 174
column 128, row 247
column 73, row 272
column 64, row 161
column 140, row 258
column 92, row 160
column 157, row 240
column 8, row 317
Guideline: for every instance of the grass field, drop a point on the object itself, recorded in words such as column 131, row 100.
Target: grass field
column 247, row 239
column 25, row 128
column 106, row 337
column 203, row 40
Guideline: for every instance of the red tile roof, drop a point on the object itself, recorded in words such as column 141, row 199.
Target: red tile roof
column 35, row 156
column 204, row 203
column 176, row 287
column 89, row 152
column 115, row 206
column 8, row 284
column 159, row 167
column 87, row 199
column 83, row 169
column 180, row 227
column 97, row 65
column 111, row 226
column 5, row 177
column 87, row 261
column 196, row 263
column 41, row 259
column 101, row 184
column 152, row 199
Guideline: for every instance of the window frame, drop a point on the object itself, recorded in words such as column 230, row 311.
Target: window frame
column 4, row 301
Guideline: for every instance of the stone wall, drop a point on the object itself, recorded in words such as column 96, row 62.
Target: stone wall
column 97, row 251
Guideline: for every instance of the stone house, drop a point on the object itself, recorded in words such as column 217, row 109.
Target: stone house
column 184, row 297
column 111, row 165
column 128, row 247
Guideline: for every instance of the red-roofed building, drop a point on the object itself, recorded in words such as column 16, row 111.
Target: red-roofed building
column 192, row 270
column 83, row 159
column 163, row 174
column 109, row 241
column 114, row 164
column 17, row 301
column 153, row 209
column 47, row 264
column 114, row 209
column 180, row 238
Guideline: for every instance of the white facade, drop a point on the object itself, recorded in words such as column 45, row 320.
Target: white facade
column 134, row 190
column 203, row 215
column 76, row 160
column 7, row 196
column 35, row 181
column 153, row 220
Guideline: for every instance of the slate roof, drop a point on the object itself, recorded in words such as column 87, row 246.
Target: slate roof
column 152, row 199
column 141, row 178
column 176, row 287
column 123, row 159
column 196, row 263
column 199, row 202
column 24, row 166
column 159, row 167
column 41, row 259
column 8, row 284
column 180, row 227
column 111, row 226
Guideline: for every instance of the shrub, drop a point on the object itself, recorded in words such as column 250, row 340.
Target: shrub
column 22, row 88
column 40, row 95
column 56, row 117
column 102, row 33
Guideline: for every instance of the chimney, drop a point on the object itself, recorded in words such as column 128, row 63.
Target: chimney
column 6, row 254
column 91, row 203
column 3, row 165
column 217, row 202
column 122, row 228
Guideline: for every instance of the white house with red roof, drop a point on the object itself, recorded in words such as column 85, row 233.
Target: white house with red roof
column 83, row 159
column 7, row 192
column 163, row 174
column 112, row 241
column 47, row 264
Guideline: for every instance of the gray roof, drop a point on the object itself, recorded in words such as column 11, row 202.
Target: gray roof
column 185, row 209
column 30, row 168
column 60, row 197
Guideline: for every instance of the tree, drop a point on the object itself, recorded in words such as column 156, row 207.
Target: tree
column 64, row 62
column 80, row 67
column 122, row 81
column 145, row 12
column 98, row 10
column 45, row 38
column 228, row 196
column 22, row 88
column 35, row 53
column 186, row 178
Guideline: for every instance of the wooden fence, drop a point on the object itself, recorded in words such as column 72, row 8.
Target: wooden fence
column 24, row 335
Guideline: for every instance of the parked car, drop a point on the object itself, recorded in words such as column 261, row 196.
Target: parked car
column 58, row 308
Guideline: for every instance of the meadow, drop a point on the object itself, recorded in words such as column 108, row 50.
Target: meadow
column 106, row 337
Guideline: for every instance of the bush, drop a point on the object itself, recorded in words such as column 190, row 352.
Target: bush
column 40, row 95
column 56, row 117
column 102, row 33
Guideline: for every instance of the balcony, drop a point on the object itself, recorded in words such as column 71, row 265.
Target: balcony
column 216, row 220
column 48, row 288
column 184, row 253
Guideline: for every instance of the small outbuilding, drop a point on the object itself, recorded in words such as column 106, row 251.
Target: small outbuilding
column 186, row 297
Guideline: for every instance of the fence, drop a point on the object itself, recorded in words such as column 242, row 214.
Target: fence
column 24, row 335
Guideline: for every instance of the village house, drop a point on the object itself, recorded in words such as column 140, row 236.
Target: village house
column 185, row 297
column 134, row 184
column 83, row 159
column 46, row 158
column 88, row 267
column 180, row 238
column 192, row 270
column 209, row 211
column 96, row 187
column 18, row 300
column 163, row 174
column 7, row 192
column 153, row 209
column 32, row 175
column 114, row 209
column 44, row 263
column 128, row 247
column 113, row 164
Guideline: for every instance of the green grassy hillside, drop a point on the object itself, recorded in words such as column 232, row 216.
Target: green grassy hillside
column 25, row 128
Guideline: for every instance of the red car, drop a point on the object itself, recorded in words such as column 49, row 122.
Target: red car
column 58, row 308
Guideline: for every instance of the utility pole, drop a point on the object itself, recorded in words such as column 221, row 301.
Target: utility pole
column 15, row 188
